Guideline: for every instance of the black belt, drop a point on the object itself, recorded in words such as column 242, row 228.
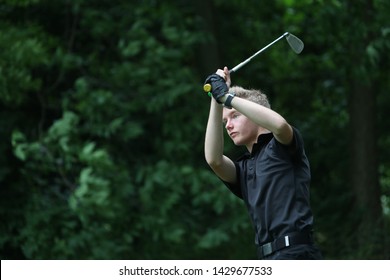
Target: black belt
column 295, row 238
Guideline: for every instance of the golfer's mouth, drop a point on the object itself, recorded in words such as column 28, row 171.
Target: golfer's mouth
column 233, row 134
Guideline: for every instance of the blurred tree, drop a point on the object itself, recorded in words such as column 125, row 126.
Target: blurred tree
column 110, row 154
column 356, row 50
column 102, row 119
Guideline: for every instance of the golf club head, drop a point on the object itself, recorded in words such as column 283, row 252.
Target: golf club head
column 295, row 43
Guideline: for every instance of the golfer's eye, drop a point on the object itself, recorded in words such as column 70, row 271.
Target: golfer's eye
column 235, row 116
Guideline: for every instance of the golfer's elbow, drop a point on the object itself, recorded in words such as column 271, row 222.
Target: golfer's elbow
column 212, row 160
column 283, row 132
column 281, row 126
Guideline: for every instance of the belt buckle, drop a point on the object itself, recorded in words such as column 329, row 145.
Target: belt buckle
column 287, row 241
column 267, row 249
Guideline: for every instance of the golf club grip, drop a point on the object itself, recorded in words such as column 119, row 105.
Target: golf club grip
column 207, row 87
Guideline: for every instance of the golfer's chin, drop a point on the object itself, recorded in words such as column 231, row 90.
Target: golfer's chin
column 237, row 141
column 240, row 141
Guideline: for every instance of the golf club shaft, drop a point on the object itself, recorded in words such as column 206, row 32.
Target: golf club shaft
column 235, row 68
column 295, row 43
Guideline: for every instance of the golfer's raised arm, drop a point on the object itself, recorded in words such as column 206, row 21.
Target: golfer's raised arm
column 222, row 166
column 213, row 148
column 265, row 118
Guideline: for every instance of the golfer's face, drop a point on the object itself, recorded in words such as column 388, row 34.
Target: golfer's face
column 240, row 129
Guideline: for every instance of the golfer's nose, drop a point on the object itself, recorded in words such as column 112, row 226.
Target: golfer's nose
column 228, row 125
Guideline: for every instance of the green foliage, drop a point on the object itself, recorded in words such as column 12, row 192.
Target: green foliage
column 103, row 120
column 21, row 3
column 23, row 51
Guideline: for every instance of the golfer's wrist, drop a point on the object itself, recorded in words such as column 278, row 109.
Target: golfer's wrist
column 226, row 100
column 223, row 98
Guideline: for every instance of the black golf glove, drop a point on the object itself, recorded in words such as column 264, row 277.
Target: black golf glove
column 218, row 86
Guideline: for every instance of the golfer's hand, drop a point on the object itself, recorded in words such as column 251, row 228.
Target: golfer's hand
column 219, row 88
column 225, row 74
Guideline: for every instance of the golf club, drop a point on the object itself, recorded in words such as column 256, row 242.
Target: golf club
column 295, row 43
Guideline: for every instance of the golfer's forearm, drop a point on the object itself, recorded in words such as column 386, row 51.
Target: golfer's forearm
column 265, row 118
column 213, row 148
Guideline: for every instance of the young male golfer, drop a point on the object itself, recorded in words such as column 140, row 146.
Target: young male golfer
column 272, row 178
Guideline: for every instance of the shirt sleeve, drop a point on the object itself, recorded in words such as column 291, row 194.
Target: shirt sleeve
column 296, row 147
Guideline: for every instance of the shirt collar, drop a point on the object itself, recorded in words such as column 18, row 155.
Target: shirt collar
column 262, row 140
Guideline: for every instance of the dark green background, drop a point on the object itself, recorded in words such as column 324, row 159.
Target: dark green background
column 102, row 122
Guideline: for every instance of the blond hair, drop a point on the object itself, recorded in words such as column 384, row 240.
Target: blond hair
column 254, row 95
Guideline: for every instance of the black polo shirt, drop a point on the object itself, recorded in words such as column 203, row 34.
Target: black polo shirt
column 274, row 182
